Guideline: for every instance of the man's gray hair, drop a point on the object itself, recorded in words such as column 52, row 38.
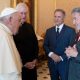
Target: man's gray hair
column 76, row 10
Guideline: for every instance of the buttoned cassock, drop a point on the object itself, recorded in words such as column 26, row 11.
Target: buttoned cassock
column 10, row 63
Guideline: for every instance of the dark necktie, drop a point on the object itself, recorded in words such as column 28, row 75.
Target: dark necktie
column 57, row 32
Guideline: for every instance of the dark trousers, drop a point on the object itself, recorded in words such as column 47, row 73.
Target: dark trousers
column 29, row 74
column 58, row 71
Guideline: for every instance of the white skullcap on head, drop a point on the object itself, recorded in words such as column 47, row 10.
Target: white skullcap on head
column 7, row 11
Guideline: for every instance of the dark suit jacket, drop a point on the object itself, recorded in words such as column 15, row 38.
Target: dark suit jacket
column 26, row 43
column 58, row 45
column 74, row 67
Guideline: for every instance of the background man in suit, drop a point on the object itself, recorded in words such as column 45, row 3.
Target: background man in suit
column 27, row 45
column 55, row 43
column 74, row 52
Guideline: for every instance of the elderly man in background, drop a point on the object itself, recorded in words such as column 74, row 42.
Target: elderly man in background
column 27, row 45
column 74, row 52
column 10, row 63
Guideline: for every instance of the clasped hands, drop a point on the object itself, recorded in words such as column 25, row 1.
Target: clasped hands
column 55, row 57
column 71, row 51
column 31, row 65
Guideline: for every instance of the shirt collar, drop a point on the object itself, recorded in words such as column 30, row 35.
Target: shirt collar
column 60, row 27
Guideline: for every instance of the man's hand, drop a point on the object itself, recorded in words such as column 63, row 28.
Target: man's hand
column 55, row 57
column 71, row 51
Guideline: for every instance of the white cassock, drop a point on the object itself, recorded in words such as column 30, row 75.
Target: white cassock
column 10, row 62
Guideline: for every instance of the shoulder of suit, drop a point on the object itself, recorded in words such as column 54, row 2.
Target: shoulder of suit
column 52, row 28
column 68, row 27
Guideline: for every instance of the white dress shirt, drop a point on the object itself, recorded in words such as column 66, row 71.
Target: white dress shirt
column 60, row 27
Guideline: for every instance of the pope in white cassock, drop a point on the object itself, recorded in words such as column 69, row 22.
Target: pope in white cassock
column 10, row 63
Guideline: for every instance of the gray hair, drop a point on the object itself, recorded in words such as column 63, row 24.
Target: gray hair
column 5, row 18
column 76, row 10
column 20, row 5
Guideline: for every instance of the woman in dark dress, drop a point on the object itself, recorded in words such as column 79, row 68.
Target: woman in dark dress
column 27, row 45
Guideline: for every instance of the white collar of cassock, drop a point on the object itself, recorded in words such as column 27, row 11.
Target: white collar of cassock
column 5, row 28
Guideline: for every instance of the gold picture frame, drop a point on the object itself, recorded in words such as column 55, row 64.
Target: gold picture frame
column 35, row 15
column 13, row 3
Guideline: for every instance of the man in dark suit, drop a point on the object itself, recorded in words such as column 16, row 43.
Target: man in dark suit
column 27, row 45
column 56, row 40
column 74, row 52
